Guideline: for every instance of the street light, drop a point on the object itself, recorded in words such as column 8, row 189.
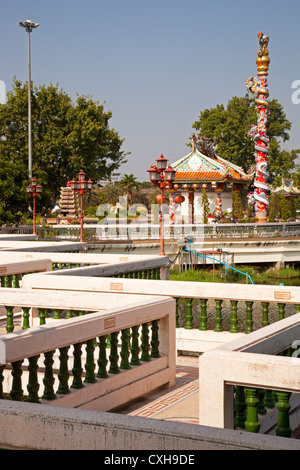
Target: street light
column 81, row 186
column 161, row 176
column 34, row 189
column 29, row 26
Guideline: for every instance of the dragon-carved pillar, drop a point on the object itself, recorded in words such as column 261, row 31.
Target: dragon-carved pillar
column 259, row 88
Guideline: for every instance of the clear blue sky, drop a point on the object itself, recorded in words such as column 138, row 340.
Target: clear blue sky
column 156, row 63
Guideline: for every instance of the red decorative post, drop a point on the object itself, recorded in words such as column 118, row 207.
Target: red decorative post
column 81, row 187
column 34, row 190
column 162, row 177
column 259, row 88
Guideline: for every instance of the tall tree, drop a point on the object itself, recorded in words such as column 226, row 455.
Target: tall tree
column 67, row 137
column 230, row 125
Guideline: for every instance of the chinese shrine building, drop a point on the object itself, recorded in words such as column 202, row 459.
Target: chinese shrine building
column 203, row 168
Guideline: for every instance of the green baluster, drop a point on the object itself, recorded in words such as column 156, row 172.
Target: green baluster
column 33, row 384
column 203, row 315
column 249, row 320
column 269, row 399
column 252, row 424
column 25, row 317
column 283, row 423
column 297, row 308
column 9, row 320
column 135, row 348
column 56, row 315
column 261, row 404
column 68, row 314
column 233, row 318
column 2, row 281
column 240, row 408
column 77, row 369
column 48, row 379
column 63, row 374
column 114, row 356
column 218, row 324
column 102, row 360
column 42, row 316
column 16, row 392
column 125, row 335
column 265, row 313
column 8, row 280
column 154, row 339
column 145, row 343
column 16, row 280
column 90, row 377
column 2, row 367
column 281, row 311
column 189, row 314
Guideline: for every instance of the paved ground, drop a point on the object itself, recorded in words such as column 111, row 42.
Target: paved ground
column 178, row 403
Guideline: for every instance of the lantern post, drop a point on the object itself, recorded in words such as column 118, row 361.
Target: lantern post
column 161, row 176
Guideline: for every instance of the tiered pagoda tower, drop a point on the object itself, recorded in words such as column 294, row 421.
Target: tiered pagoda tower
column 69, row 204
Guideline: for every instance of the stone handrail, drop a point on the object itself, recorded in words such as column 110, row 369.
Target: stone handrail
column 152, row 364
column 251, row 362
column 147, row 230
column 270, row 299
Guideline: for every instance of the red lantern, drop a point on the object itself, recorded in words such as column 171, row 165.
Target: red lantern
column 158, row 198
column 179, row 199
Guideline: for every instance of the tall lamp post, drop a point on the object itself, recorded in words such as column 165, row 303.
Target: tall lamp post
column 34, row 190
column 29, row 26
column 81, row 186
column 161, row 176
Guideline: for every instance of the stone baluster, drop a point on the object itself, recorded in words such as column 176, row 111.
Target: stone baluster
column 233, row 318
column 189, row 314
column 249, row 319
column 145, row 346
column 218, row 323
column 125, row 339
column 9, row 319
column 155, row 339
column 135, row 348
column 16, row 392
column 33, row 384
column 90, row 377
column 239, row 407
column 265, row 313
column 77, row 368
column 283, row 423
column 203, row 315
column 102, row 359
column 25, row 318
column 48, row 379
column 252, row 424
column 113, row 357
column 63, row 374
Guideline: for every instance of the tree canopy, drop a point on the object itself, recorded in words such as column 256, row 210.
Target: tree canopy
column 230, row 126
column 67, row 137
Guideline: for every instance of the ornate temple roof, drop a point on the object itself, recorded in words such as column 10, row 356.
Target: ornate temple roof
column 203, row 165
column 287, row 188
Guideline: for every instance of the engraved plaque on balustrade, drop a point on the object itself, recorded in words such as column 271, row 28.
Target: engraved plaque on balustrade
column 110, row 322
column 281, row 295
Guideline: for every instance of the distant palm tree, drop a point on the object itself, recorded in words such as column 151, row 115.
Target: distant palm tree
column 129, row 184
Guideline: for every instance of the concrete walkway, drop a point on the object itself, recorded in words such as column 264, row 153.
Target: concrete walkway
column 179, row 403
